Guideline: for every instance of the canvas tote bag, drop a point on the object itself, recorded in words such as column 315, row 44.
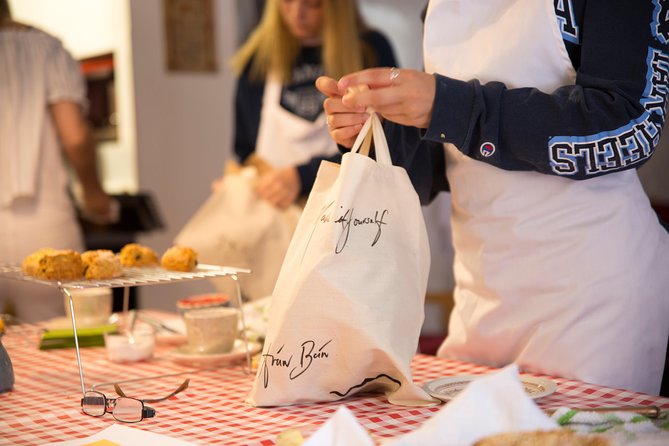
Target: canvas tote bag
column 347, row 307
column 235, row 227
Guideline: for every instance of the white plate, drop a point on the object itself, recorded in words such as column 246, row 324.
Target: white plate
column 183, row 355
column 449, row 387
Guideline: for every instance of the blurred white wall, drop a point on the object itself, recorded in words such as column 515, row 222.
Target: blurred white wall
column 184, row 129
column 400, row 21
column 86, row 27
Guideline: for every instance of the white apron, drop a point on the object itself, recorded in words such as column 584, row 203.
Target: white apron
column 563, row 277
column 45, row 220
column 285, row 139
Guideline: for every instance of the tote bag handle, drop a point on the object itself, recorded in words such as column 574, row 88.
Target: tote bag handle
column 373, row 128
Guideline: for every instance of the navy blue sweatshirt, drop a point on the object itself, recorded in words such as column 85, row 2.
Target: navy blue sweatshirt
column 609, row 121
column 300, row 98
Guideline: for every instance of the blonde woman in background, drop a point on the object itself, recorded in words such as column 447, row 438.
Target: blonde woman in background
column 280, row 126
column 279, row 112
column 41, row 122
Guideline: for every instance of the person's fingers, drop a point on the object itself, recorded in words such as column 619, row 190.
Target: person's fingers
column 335, row 105
column 406, row 98
column 372, row 77
column 346, row 135
column 376, row 88
column 399, row 113
column 341, row 120
column 328, row 86
column 268, row 193
column 378, row 99
column 263, row 186
column 271, row 189
column 283, row 202
column 344, row 122
column 280, row 198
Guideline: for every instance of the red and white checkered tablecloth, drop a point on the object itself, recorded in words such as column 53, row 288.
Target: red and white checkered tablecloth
column 45, row 403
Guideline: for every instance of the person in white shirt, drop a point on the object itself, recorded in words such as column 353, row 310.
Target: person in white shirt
column 42, row 122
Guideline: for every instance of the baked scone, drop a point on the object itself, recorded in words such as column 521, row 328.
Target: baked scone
column 54, row 264
column 101, row 264
column 134, row 254
column 179, row 258
column 30, row 264
column 556, row 437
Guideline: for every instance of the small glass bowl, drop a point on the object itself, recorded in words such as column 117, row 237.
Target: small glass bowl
column 123, row 348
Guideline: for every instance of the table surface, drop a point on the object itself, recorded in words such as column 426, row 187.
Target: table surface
column 45, row 403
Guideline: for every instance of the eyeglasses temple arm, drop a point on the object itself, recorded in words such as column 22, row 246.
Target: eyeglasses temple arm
column 183, row 386
column 119, row 391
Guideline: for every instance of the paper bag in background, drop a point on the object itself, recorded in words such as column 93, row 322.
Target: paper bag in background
column 234, row 227
column 348, row 304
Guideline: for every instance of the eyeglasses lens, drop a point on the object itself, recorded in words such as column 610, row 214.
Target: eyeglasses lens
column 128, row 410
column 93, row 403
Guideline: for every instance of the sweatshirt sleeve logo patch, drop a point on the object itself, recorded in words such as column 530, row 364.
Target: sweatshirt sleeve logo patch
column 487, row 149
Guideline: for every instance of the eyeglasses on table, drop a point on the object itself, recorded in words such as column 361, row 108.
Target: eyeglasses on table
column 182, row 386
column 124, row 408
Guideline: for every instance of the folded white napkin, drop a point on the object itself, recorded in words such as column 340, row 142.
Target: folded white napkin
column 489, row 405
column 342, row 429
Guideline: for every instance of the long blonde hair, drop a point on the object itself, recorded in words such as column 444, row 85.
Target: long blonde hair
column 5, row 11
column 271, row 48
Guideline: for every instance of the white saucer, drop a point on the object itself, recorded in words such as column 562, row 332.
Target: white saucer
column 449, row 387
column 183, row 355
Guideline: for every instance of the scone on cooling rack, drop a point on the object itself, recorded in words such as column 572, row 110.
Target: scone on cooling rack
column 100, row 264
column 179, row 258
column 54, row 264
column 134, row 254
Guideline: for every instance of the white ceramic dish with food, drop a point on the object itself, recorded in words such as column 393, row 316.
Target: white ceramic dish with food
column 449, row 387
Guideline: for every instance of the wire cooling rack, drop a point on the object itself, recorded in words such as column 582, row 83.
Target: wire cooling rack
column 131, row 276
